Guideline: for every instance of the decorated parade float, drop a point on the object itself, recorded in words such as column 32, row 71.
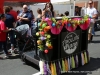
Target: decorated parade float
column 62, row 44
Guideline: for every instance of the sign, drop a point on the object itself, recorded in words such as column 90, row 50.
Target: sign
column 70, row 42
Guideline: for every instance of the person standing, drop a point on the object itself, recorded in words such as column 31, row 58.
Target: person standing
column 13, row 13
column 92, row 12
column 3, row 34
column 10, row 23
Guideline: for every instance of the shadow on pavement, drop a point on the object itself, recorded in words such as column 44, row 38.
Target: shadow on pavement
column 96, row 41
column 92, row 66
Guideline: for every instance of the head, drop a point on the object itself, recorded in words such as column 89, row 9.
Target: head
column 61, row 15
column 67, row 13
column 11, row 8
column 25, row 8
column 39, row 11
column 6, row 9
column 90, row 3
column 49, row 6
column 2, row 17
column 76, row 9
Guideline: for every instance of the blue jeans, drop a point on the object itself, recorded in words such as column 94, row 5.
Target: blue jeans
column 12, row 38
column 4, row 45
column 93, row 32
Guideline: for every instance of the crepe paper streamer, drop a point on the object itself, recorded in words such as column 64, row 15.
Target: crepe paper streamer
column 69, row 68
column 82, row 59
column 63, row 66
column 85, row 57
column 59, row 65
column 52, row 69
column 66, row 65
column 55, row 69
column 48, row 69
column 88, row 56
column 73, row 62
column 45, row 69
column 77, row 61
column 41, row 63
column 70, row 63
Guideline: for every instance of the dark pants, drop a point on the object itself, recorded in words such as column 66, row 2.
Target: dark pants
column 4, row 45
column 12, row 38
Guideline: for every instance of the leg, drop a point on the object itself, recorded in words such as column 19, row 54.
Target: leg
column 5, row 47
column 90, row 31
column 12, row 39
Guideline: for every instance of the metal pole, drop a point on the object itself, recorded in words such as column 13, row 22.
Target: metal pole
column 74, row 7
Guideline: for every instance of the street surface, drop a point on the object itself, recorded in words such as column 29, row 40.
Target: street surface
column 15, row 66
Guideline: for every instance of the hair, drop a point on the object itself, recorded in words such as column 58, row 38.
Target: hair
column 61, row 15
column 6, row 9
column 2, row 16
column 10, row 7
column 39, row 11
column 67, row 13
column 52, row 9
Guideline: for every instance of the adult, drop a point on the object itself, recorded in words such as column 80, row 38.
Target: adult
column 48, row 11
column 77, row 12
column 13, row 13
column 10, row 23
column 24, row 16
column 92, row 12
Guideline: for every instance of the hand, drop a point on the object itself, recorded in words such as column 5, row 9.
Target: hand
column 10, row 29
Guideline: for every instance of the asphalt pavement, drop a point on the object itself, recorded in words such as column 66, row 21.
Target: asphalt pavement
column 15, row 66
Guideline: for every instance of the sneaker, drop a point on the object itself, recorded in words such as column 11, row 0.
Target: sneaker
column 6, row 57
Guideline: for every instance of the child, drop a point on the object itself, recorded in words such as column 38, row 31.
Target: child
column 3, row 34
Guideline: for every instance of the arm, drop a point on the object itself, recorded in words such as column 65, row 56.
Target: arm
column 95, row 14
column 43, row 14
column 4, row 28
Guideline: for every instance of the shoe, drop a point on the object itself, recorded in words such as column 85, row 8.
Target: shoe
column 6, row 57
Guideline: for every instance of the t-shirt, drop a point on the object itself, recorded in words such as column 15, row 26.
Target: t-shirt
column 91, row 11
column 9, row 20
column 14, row 14
column 25, row 15
column 2, row 34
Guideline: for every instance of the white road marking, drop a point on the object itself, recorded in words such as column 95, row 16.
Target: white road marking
column 37, row 73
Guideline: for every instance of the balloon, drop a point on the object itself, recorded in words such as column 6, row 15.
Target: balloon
column 42, row 38
column 42, row 33
column 44, row 25
column 37, row 34
column 39, row 24
column 48, row 36
column 46, row 19
column 39, row 42
column 48, row 27
column 46, row 51
column 53, row 25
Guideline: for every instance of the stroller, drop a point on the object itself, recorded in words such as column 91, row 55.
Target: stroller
column 24, row 42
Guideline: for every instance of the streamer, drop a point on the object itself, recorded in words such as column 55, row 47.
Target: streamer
column 66, row 65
